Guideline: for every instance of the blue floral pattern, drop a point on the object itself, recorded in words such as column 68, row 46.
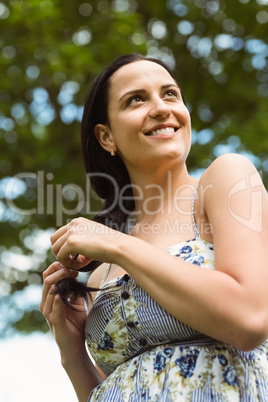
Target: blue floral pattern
column 105, row 342
column 160, row 362
column 185, row 250
column 230, row 376
column 148, row 355
column 194, row 259
column 186, row 364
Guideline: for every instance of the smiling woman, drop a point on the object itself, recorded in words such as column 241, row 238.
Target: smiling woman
column 143, row 100
column 178, row 310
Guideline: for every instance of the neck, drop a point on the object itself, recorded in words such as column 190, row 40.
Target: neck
column 155, row 193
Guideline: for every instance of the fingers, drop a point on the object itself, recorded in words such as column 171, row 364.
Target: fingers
column 61, row 231
column 51, row 269
column 54, row 311
column 59, row 243
column 59, row 238
column 47, row 305
column 51, row 304
column 65, row 239
column 79, row 225
column 77, row 238
column 65, row 248
column 52, row 275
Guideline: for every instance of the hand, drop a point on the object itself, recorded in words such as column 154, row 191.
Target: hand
column 66, row 324
column 89, row 239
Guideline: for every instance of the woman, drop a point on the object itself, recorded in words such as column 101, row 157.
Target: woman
column 182, row 310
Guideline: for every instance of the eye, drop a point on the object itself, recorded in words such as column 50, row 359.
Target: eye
column 134, row 99
column 172, row 93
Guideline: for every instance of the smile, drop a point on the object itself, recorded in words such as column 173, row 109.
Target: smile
column 162, row 131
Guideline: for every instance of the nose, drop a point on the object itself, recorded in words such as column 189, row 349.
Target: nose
column 159, row 108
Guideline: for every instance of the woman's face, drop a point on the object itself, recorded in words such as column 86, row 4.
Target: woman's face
column 148, row 121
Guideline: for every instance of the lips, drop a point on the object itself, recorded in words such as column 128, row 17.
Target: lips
column 161, row 131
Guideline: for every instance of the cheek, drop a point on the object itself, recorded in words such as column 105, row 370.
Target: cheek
column 182, row 114
column 186, row 115
column 125, row 129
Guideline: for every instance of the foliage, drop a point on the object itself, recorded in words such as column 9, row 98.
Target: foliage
column 51, row 51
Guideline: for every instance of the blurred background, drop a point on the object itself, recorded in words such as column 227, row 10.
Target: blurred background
column 50, row 53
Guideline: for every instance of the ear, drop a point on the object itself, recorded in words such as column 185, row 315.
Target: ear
column 104, row 136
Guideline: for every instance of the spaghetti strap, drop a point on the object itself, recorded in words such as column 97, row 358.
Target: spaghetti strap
column 106, row 273
column 196, row 231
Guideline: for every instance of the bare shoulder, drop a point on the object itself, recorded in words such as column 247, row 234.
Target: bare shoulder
column 227, row 169
column 231, row 189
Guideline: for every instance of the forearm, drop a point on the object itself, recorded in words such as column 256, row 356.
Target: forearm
column 83, row 375
column 67, row 326
column 209, row 301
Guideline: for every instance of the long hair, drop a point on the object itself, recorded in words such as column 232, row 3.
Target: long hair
column 108, row 174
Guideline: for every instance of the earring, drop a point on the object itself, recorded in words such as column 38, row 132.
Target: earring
column 112, row 153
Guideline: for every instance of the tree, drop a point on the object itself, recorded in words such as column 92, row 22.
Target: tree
column 51, row 53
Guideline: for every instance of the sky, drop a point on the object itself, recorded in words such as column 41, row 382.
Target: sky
column 31, row 371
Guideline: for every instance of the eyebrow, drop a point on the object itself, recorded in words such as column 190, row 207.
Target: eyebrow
column 140, row 91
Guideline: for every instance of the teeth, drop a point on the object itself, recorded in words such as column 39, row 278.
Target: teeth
column 163, row 131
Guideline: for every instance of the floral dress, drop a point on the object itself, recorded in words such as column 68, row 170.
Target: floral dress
column 148, row 355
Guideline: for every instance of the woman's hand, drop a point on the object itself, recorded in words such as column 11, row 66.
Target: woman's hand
column 66, row 324
column 89, row 239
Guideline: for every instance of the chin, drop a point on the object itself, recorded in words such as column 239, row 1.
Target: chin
column 176, row 154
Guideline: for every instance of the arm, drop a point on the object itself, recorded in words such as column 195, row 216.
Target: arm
column 67, row 326
column 228, row 304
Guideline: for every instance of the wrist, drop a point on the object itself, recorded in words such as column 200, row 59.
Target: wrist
column 82, row 373
column 124, row 250
column 121, row 248
column 71, row 358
